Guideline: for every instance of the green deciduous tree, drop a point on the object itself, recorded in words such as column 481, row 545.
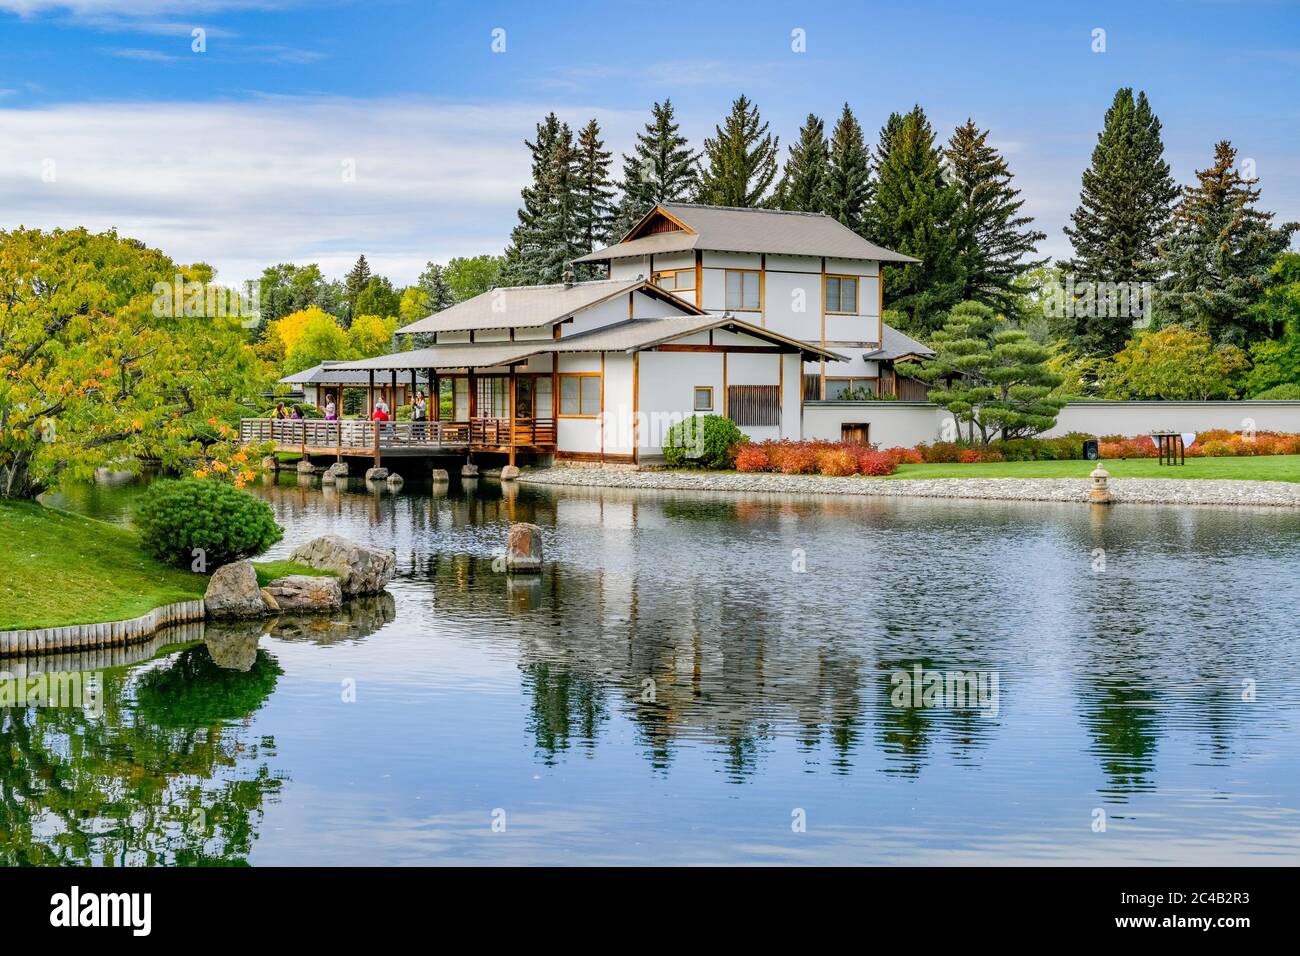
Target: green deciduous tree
column 1219, row 259
column 469, row 276
column 993, row 379
column 319, row 338
column 848, row 191
column 93, row 372
column 660, row 168
column 377, row 298
column 803, row 185
column 741, row 159
column 1123, row 214
column 1172, row 364
column 997, row 247
column 918, row 212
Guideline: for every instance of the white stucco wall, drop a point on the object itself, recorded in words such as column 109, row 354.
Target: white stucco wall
column 910, row 423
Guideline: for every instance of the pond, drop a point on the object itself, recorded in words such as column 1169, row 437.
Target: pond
column 703, row 679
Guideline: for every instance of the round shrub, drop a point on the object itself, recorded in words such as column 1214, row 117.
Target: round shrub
column 1218, row 449
column 175, row 517
column 702, row 441
column 1288, row 392
column 904, row 456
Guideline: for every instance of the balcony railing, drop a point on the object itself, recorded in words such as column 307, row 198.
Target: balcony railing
column 361, row 436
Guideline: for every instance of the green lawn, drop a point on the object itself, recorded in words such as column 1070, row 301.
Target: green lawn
column 60, row 568
column 1260, row 468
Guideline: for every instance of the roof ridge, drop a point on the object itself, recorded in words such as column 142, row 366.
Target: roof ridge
column 553, row 285
column 782, row 212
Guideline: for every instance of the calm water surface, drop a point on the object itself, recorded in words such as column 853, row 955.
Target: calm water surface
column 672, row 690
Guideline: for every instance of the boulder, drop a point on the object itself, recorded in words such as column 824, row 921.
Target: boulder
column 233, row 592
column 509, row 472
column 306, row 468
column 524, row 549
column 339, row 469
column 469, row 470
column 439, row 476
column 271, row 463
column 376, row 474
column 360, row 569
column 395, row 481
column 307, row 592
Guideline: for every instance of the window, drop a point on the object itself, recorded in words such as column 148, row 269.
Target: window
column 850, row 389
column 704, row 398
column 742, row 290
column 857, row 432
column 754, row 405
column 842, row 294
column 678, row 280
column 580, row 395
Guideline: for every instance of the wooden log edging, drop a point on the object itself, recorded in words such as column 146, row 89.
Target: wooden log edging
column 70, row 637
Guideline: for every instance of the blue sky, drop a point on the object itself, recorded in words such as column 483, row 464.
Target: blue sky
column 239, row 155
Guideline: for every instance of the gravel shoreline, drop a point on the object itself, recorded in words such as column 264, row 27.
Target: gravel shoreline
column 1160, row 491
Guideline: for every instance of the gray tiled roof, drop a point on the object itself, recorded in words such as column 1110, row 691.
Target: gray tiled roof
column 773, row 231
column 328, row 373
column 896, row 344
column 530, row 306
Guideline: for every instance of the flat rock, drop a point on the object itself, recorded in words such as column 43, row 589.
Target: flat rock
column 307, row 592
column 360, row 568
column 524, row 549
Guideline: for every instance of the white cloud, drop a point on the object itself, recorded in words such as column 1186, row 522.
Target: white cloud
column 245, row 185
column 152, row 56
column 136, row 8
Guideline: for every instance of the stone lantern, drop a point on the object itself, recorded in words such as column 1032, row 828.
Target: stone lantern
column 1100, row 493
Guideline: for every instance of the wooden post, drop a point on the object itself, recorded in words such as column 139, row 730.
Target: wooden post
column 370, row 396
column 392, row 406
column 435, row 394
column 375, row 426
column 511, row 419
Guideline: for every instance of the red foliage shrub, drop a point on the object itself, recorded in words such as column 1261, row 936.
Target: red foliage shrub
column 970, row 456
column 753, row 458
column 875, row 463
column 942, row 452
column 798, row 458
column 904, row 456
column 837, row 462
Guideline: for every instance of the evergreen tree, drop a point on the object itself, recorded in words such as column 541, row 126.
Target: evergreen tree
column 435, row 289
column 1219, row 257
column 546, row 238
column 595, row 209
column 661, row 168
column 355, row 282
column 803, row 185
column 848, row 189
column 1123, row 214
column 742, row 159
column 997, row 244
column 918, row 212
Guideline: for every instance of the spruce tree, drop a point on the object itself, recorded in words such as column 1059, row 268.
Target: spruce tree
column 807, row 170
column 918, row 212
column 1123, row 215
column 594, row 192
column 848, row 182
column 742, row 159
column 546, row 238
column 1219, row 256
column 435, row 288
column 355, row 282
column 660, row 168
column 997, row 246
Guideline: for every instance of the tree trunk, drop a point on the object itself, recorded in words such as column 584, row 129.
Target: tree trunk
column 16, row 480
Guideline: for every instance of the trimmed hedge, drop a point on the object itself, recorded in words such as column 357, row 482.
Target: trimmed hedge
column 176, row 517
column 703, row 441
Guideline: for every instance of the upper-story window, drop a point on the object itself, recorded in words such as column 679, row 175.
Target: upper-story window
column 842, row 294
column 677, row 280
column 742, row 290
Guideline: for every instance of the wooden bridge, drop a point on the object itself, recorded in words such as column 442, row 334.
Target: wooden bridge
column 366, row 439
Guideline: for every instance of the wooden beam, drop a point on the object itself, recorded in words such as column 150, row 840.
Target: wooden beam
column 762, row 349
column 370, row 396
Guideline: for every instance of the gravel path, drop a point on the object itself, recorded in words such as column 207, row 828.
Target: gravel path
column 1171, row 491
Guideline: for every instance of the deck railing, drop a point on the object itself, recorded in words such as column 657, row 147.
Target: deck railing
column 358, row 434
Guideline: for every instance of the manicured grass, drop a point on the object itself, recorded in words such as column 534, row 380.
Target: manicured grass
column 59, row 568
column 1257, row 468
column 268, row 571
